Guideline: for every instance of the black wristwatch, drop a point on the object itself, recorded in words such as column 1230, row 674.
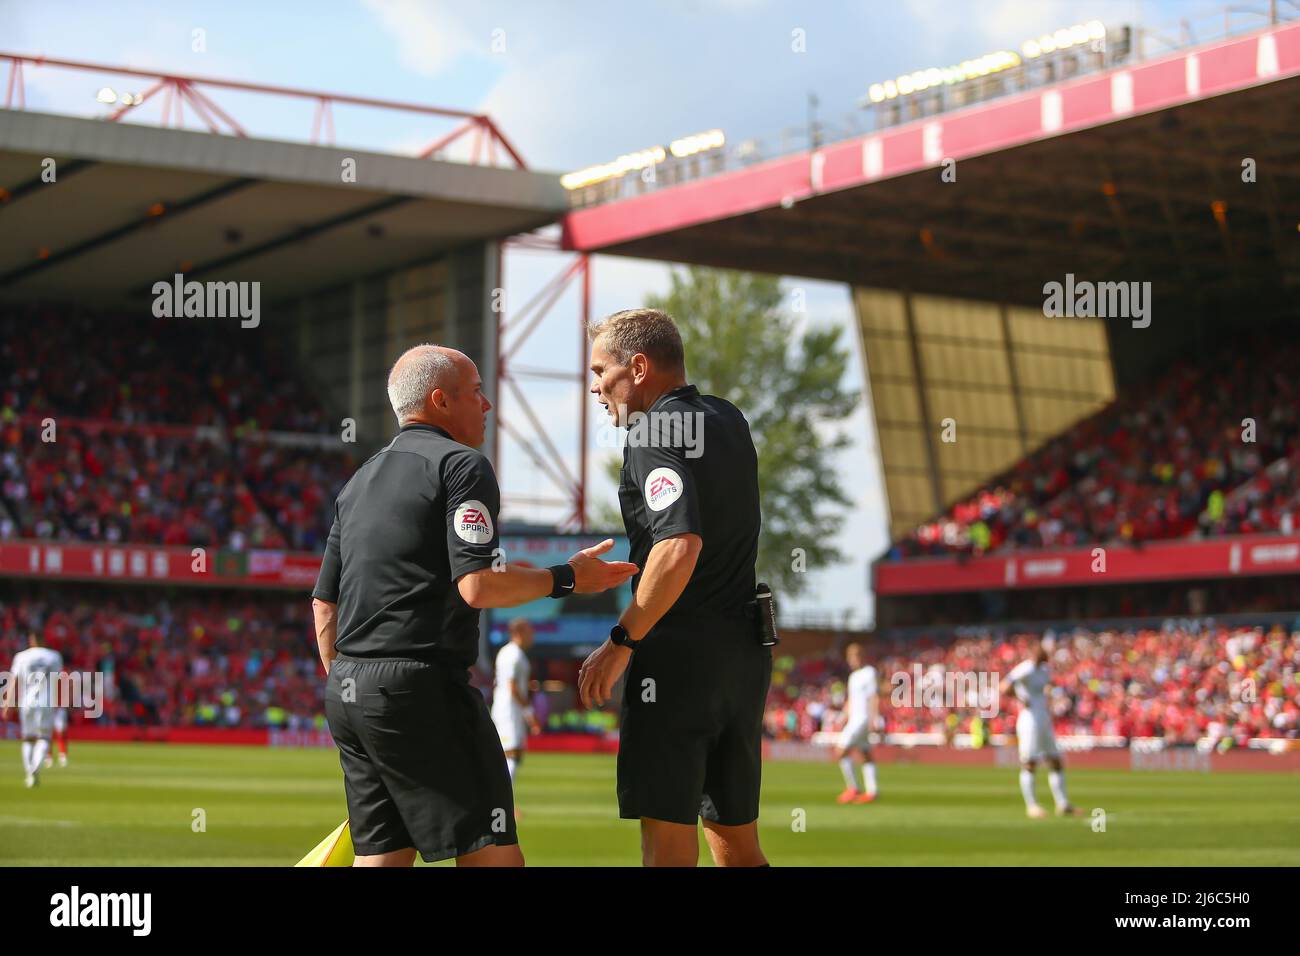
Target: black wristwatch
column 618, row 634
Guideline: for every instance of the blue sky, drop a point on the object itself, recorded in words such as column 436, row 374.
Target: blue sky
column 571, row 83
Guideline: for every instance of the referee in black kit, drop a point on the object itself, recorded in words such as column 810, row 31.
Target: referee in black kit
column 698, row 662
column 411, row 558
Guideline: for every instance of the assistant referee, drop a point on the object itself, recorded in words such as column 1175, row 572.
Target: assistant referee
column 690, row 738
column 411, row 558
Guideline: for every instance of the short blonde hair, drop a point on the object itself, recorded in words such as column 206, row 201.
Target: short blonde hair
column 651, row 332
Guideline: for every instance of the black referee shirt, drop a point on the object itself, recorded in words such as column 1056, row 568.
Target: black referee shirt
column 415, row 517
column 670, row 488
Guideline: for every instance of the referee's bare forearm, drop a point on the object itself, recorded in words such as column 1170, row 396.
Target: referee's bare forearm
column 326, row 615
column 507, row 586
column 668, row 570
column 512, row 584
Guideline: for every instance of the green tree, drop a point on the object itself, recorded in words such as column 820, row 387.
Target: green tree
column 741, row 345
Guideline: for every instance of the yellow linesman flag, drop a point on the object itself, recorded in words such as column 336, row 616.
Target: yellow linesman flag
column 334, row 850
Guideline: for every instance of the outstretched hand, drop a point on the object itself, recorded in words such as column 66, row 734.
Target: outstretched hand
column 592, row 575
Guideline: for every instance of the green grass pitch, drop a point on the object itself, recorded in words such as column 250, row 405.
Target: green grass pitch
column 133, row 805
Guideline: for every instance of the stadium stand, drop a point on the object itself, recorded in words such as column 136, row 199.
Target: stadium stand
column 1164, row 461
column 170, row 451
column 152, row 371
column 221, row 658
column 172, row 436
column 130, row 485
column 198, row 444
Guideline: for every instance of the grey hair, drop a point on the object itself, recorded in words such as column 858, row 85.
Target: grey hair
column 410, row 381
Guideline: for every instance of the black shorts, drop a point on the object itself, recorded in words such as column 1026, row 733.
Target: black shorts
column 422, row 762
column 691, row 743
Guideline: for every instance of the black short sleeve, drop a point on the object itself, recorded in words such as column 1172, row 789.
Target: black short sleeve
column 473, row 502
column 667, row 488
column 331, row 566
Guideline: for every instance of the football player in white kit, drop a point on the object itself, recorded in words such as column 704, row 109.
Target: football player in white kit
column 853, row 749
column 1030, row 680
column 511, row 711
column 34, row 672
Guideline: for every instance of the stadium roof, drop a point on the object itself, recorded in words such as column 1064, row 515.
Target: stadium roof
column 1135, row 173
column 134, row 204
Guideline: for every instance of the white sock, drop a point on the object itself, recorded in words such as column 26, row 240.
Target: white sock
column 846, row 768
column 27, row 756
column 39, row 749
column 512, row 764
column 869, row 776
column 1056, row 780
column 1027, row 788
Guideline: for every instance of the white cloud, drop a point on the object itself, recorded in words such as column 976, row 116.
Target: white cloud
column 546, row 105
column 430, row 36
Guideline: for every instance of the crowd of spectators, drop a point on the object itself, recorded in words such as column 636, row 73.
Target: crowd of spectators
column 159, row 436
column 1161, row 462
column 296, row 487
column 136, row 485
column 1183, row 682
column 192, row 658
column 1268, row 502
column 142, row 370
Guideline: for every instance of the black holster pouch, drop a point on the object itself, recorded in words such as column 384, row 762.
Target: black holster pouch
column 762, row 613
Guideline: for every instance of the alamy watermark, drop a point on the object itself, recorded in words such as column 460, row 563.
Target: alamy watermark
column 951, row 689
column 1098, row 300
column 131, row 911
column 670, row 429
column 208, row 300
column 74, row 690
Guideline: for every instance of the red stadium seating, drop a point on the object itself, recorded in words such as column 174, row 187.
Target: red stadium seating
column 1165, row 461
column 164, row 450
column 1176, row 683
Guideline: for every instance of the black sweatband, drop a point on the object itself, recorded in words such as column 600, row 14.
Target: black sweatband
column 562, row 580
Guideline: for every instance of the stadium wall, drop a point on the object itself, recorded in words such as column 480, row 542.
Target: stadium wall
column 348, row 336
column 1177, row 559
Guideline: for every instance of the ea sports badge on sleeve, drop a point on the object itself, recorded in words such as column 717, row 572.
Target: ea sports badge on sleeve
column 334, row 850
